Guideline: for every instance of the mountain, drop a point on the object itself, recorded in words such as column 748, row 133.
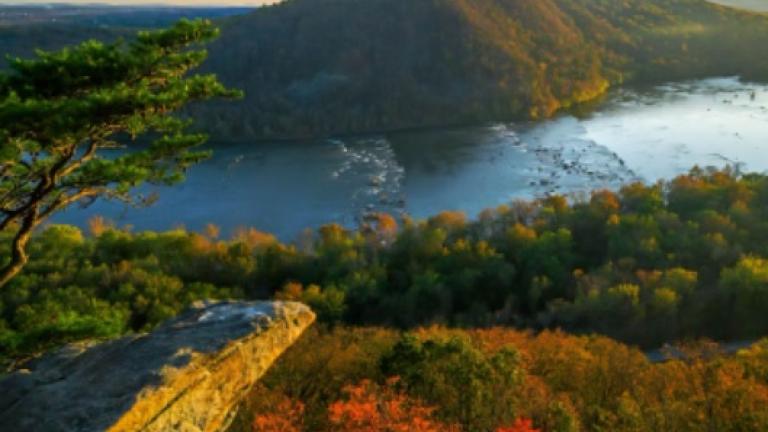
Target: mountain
column 26, row 28
column 324, row 67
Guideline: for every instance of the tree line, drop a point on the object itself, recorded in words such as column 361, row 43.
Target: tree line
column 647, row 264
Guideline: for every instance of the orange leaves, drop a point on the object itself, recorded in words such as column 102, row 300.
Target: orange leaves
column 373, row 408
column 292, row 291
column 383, row 223
column 287, row 418
column 212, row 231
column 448, row 220
column 520, row 425
column 568, row 383
column 254, row 238
column 369, row 407
column 97, row 225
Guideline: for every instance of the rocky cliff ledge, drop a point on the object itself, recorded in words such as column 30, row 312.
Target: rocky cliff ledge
column 188, row 375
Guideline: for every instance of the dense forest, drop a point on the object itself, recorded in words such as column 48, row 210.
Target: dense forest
column 323, row 67
column 650, row 264
column 501, row 380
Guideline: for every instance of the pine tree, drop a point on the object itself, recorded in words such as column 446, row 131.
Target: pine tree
column 70, row 123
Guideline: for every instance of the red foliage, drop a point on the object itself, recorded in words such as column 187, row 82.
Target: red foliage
column 286, row 419
column 373, row 408
column 520, row 425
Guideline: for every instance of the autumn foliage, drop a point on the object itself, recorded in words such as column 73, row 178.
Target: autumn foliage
column 337, row 380
column 372, row 408
column 286, row 418
column 520, row 425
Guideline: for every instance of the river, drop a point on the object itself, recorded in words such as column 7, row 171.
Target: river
column 284, row 188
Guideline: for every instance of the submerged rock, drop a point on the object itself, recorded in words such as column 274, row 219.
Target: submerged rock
column 188, row 375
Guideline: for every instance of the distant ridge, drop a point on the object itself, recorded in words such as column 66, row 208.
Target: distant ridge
column 133, row 3
column 752, row 5
column 327, row 67
column 26, row 27
column 324, row 67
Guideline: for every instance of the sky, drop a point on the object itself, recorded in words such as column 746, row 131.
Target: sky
column 758, row 5
column 147, row 2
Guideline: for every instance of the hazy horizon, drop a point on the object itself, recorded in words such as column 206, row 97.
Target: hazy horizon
column 756, row 5
column 222, row 3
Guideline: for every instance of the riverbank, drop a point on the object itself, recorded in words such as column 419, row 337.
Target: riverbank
column 634, row 134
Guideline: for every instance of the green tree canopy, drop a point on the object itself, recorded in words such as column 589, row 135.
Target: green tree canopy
column 69, row 123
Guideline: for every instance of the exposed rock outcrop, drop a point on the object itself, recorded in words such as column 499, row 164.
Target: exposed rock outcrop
column 188, row 375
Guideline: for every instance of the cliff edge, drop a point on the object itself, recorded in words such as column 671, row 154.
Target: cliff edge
column 188, row 375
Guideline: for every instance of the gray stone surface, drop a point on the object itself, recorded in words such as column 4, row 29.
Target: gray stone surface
column 188, row 375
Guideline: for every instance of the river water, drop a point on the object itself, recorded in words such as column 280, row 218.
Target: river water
column 284, row 188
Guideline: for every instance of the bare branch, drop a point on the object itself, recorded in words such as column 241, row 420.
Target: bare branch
column 64, row 201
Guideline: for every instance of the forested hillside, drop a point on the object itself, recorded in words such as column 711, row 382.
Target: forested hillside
column 23, row 29
column 313, row 67
column 322, row 67
column 650, row 264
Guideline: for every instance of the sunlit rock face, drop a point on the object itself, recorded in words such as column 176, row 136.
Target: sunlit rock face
column 188, row 375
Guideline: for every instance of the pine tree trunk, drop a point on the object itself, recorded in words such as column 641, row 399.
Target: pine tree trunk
column 19, row 256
